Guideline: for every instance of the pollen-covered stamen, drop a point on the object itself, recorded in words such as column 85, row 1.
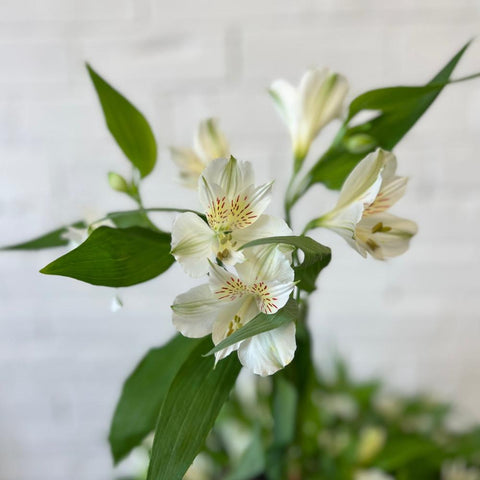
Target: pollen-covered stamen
column 379, row 227
column 267, row 300
column 234, row 325
column 232, row 289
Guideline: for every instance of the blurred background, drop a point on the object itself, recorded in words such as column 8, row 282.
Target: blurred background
column 63, row 354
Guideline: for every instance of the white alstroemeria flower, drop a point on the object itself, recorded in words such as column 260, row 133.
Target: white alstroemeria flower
column 307, row 109
column 360, row 214
column 233, row 207
column 372, row 474
column 458, row 470
column 229, row 301
column 209, row 143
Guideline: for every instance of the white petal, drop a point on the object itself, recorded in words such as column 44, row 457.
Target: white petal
column 195, row 311
column 322, row 96
column 231, row 175
column 268, row 352
column 286, row 102
column 210, row 142
column 389, row 194
column 265, row 263
column 265, row 226
column 364, row 182
column 385, row 235
column 193, row 243
column 226, row 286
column 248, row 205
column 344, row 220
column 189, row 164
column 276, row 296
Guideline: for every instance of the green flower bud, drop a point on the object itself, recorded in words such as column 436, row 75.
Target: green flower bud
column 117, row 182
column 360, row 143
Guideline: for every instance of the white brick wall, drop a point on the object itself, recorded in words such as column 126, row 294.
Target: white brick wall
column 63, row 355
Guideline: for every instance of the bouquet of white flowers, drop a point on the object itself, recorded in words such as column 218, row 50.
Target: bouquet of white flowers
column 251, row 307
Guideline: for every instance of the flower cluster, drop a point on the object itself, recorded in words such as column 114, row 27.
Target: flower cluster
column 241, row 283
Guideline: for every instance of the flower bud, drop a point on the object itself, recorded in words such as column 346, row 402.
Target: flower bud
column 117, row 182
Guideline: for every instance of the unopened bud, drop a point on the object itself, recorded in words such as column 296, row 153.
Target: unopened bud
column 117, row 182
column 360, row 143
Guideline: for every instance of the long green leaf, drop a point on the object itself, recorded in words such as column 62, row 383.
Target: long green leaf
column 399, row 109
column 49, row 240
column 143, row 393
column 260, row 324
column 316, row 257
column 128, row 126
column 189, row 411
column 116, row 257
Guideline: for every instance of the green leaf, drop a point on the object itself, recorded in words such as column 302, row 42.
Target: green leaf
column 116, row 257
column 260, row 324
column 143, row 394
column 128, row 126
column 189, row 411
column 133, row 218
column 49, row 240
column 317, row 257
column 252, row 461
column 399, row 108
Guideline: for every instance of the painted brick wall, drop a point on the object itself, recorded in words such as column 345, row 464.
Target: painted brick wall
column 63, row 354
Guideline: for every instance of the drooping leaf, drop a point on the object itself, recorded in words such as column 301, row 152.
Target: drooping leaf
column 193, row 402
column 128, row 126
column 260, row 324
column 316, row 257
column 116, row 257
column 399, row 108
column 252, row 461
column 143, row 393
column 49, row 240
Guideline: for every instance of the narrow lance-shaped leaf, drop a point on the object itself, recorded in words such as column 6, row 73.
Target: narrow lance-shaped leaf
column 116, row 257
column 128, row 126
column 143, row 393
column 399, row 108
column 51, row 239
column 260, row 324
column 316, row 257
column 189, row 411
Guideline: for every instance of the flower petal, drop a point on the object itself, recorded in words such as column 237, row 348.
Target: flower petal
column 195, row 311
column 210, row 142
column 231, row 175
column 322, row 96
column 285, row 97
column 248, row 205
column 265, row 226
column 189, row 164
column 384, row 235
column 364, row 182
column 225, row 285
column 268, row 352
column 193, row 243
column 389, row 194
column 265, row 263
